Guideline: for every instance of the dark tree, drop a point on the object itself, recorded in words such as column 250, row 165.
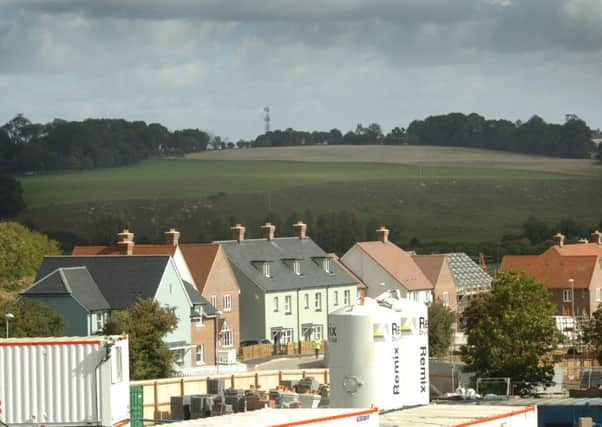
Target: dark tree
column 11, row 197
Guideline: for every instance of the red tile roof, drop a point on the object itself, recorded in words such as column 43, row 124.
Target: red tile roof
column 114, row 250
column 200, row 258
column 430, row 265
column 398, row 263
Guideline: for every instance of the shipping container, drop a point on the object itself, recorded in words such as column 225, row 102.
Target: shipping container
column 65, row 381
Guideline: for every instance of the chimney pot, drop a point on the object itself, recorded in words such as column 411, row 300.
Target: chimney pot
column 269, row 230
column 597, row 237
column 238, row 232
column 300, row 229
column 126, row 246
column 559, row 239
column 382, row 234
column 172, row 237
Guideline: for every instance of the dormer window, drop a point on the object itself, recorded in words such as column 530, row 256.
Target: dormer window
column 266, row 269
column 263, row 267
column 326, row 264
column 297, row 267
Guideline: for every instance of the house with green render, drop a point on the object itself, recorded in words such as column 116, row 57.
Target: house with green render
column 288, row 285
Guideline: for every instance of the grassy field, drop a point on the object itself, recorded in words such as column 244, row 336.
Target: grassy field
column 440, row 197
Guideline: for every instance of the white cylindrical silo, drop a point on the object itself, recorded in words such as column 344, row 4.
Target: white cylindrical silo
column 377, row 355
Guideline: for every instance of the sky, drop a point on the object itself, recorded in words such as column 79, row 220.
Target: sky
column 318, row 64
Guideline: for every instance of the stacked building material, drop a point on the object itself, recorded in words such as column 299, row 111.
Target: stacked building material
column 235, row 397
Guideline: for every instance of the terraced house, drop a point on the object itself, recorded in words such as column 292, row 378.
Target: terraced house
column 288, row 285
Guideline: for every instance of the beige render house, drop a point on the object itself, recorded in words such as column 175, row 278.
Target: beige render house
column 383, row 266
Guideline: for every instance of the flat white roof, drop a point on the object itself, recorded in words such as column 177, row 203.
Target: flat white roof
column 446, row 415
column 277, row 417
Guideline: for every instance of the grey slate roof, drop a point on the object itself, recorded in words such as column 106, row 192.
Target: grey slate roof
column 197, row 299
column 468, row 274
column 247, row 257
column 74, row 281
column 121, row 279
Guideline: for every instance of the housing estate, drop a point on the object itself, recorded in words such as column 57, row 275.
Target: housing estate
column 86, row 289
column 206, row 267
column 455, row 277
column 288, row 285
column 572, row 272
column 384, row 266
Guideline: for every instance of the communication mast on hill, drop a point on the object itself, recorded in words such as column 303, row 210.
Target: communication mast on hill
column 266, row 118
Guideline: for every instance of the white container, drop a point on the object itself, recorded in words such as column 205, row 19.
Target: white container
column 64, row 381
column 378, row 356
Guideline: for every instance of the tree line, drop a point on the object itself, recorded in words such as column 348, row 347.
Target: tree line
column 573, row 139
column 92, row 143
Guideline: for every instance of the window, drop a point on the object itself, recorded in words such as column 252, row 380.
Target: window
column 227, row 337
column 227, row 302
column 297, row 267
column 598, row 294
column 200, row 354
column 99, row 321
column 275, row 303
column 445, row 299
column 326, row 264
column 318, row 301
column 179, row 357
column 306, row 297
column 197, row 314
column 567, row 295
column 317, row 332
column 286, row 336
column 347, row 297
column 214, row 301
column 336, row 298
column 266, row 269
column 287, row 304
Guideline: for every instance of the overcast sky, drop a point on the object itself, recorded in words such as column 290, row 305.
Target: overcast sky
column 318, row 64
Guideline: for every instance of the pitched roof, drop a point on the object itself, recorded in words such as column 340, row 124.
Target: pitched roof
column 398, row 263
column 578, row 249
column 197, row 299
column 121, row 279
column 249, row 255
column 467, row 273
column 554, row 270
column 163, row 249
column 430, row 265
column 359, row 282
column 199, row 258
column 74, row 281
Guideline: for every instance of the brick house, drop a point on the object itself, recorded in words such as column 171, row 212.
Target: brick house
column 572, row 273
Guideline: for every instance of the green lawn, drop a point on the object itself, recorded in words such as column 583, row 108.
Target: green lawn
column 428, row 202
column 178, row 179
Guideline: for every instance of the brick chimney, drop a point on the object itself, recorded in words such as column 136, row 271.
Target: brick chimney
column 597, row 237
column 299, row 229
column 559, row 239
column 268, row 230
column 382, row 234
column 172, row 237
column 238, row 232
column 125, row 242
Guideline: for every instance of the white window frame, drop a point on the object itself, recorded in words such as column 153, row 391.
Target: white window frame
column 326, row 265
column 567, row 295
column 288, row 304
column 317, row 332
column 598, row 294
column 214, row 301
column 297, row 267
column 227, row 337
column 276, row 304
column 266, row 269
column 227, row 300
column 306, row 297
column 200, row 354
column 286, row 336
column 445, row 299
column 347, row 297
column 318, row 301
column 99, row 321
column 336, row 298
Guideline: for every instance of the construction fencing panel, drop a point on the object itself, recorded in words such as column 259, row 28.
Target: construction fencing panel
column 264, row 351
column 157, row 393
